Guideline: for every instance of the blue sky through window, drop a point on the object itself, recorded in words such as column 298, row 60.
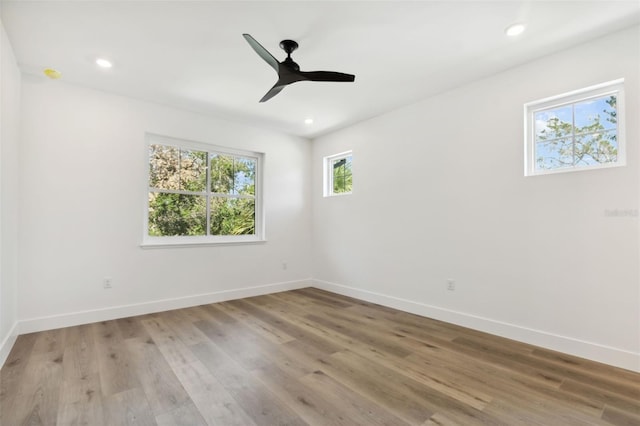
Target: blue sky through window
column 582, row 133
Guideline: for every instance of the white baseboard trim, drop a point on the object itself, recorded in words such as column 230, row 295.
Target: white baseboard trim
column 7, row 343
column 124, row 311
column 589, row 350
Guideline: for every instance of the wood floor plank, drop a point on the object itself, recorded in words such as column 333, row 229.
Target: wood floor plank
column 81, row 391
column 258, row 402
column 325, row 299
column 215, row 404
column 12, row 373
column 630, row 405
column 36, row 401
column 128, row 408
column 509, row 388
column 309, row 405
column 163, row 390
column 391, row 396
column 116, row 373
column 240, row 340
column 612, row 385
column 85, row 413
column 181, row 324
column 620, row 417
column 185, row 415
column 266, row 330
column 302, row 357
column 280, row 318
column 585, row 365
column 38, row 390
column 361, row 409
column 132, row 328
column 410, row 390
column 51, row 341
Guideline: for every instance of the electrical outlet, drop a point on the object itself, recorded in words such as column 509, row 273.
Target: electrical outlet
column 106, row 283
column 451, row 285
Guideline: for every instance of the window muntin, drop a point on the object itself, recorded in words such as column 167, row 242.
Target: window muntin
column 338, row 174
column 577, row 131
column 199, row 193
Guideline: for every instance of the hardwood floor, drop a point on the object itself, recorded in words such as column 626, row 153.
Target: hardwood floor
column 297, row 358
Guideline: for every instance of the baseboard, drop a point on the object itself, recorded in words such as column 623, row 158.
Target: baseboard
column 593, row 351
column 123, row 311
column 7, row 343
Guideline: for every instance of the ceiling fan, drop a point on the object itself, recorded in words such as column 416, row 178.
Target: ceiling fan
column 288, row 71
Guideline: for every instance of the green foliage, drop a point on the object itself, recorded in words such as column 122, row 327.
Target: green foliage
column 232, row 216
column 176, row 214
column 232, row 175
column 178, row 200
column 342, row 176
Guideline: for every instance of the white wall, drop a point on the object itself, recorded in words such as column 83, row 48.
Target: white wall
column 82, row 181
column 439, row 193
column 9, row 134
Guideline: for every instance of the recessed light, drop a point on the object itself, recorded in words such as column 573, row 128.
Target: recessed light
column 514, row 30
column 52, row 74
column 308, row 121
column 104, row 63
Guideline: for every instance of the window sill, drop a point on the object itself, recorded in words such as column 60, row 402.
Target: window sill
column 620, row 163
column 153, row 244
column 341, row 194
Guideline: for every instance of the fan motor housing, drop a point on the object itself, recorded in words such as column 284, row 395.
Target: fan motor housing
column 288, row 46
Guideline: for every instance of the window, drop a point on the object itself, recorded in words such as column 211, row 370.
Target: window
column 338, row 178
column 198, row 193
column 576, row 131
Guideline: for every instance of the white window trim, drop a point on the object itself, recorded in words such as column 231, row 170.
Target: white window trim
column 327, row 177
column 595, row 91
column 204, row 240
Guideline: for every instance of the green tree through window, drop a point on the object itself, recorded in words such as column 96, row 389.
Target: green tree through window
column 342, row 176
column 200, row 193
column 578, row 130
column 579, row 134
column 338, row 174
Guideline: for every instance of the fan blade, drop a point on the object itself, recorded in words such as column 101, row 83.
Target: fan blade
column 261, row 51
column 272, row 92
column 327, row 76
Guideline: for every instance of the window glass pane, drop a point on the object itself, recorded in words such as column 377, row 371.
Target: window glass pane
column 244, row 176
column 555, row 154
column 596, row 148
column 193, row 170
column 583, row 133
column 164, row 167
column 232, row 216
column 596, row 114
column 342, row 176
column 221, row 174
column 553, row 123
column 176, row 214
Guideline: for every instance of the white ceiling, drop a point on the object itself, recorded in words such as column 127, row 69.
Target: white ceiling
column 192, row 54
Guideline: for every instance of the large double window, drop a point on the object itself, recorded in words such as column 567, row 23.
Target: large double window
column 198, row 193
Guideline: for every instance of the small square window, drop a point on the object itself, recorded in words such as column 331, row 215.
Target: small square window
column 576, row 131
column 338, row 176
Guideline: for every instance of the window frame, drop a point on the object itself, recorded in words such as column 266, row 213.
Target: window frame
column 328, row 173
column 571, row 98
column 149, row 241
